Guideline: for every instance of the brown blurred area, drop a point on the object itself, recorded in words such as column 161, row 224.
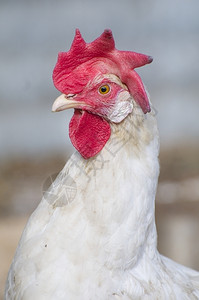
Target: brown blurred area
column 177, row 204
column 22, row 183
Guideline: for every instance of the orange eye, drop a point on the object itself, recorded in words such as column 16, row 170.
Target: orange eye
column 104, row 89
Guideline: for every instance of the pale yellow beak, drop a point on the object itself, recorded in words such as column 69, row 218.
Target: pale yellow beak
column 65, row 102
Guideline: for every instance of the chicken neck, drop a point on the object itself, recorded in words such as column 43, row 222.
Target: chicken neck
column 116, row 191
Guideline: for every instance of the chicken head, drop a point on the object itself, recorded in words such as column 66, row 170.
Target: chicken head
column 99, row 82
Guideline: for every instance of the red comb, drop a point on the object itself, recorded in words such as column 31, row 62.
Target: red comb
column 70, row 76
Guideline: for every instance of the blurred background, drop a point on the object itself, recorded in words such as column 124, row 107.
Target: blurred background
column 34, row 142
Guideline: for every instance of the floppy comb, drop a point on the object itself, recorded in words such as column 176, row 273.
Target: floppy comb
column 71, row 74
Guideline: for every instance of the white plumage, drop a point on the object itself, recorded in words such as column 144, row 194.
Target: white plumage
column 93, row 236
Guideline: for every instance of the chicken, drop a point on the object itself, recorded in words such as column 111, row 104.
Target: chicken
column 93, row 235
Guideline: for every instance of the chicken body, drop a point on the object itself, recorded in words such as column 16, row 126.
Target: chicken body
column 93, row 236
column 101, row 243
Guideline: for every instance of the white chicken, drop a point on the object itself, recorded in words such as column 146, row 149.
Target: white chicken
column 93, row 235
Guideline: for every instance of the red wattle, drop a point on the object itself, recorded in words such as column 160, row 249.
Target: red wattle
column 88, row 133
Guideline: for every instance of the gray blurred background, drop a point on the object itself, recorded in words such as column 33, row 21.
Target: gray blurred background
column 34, row 142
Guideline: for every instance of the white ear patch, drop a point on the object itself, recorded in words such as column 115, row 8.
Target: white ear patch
column 122, row 107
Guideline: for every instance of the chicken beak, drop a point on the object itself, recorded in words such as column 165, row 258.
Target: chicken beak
column 65, row 102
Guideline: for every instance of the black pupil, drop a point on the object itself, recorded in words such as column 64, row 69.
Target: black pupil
column 103, row 89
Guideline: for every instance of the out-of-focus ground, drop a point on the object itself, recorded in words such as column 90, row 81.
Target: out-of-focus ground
column 22, row 183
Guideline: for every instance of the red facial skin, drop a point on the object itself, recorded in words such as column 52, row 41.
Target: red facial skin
column 96, row 102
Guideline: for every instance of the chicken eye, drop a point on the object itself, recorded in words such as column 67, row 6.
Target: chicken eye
column 104, row 89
